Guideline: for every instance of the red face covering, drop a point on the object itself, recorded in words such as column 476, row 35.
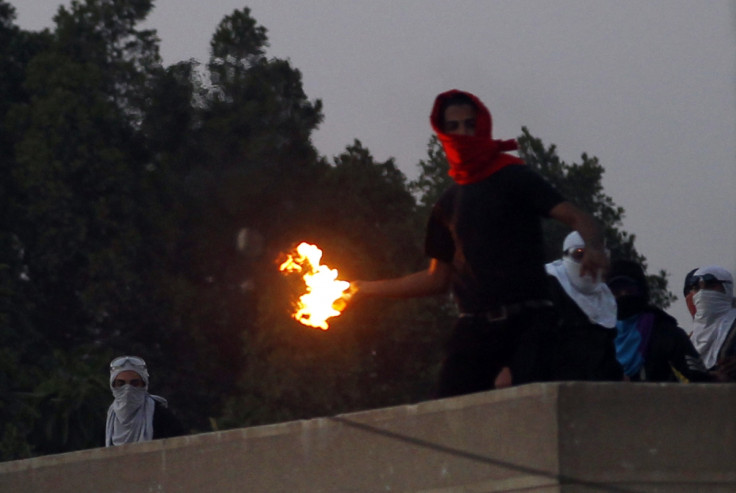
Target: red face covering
column 472, row 158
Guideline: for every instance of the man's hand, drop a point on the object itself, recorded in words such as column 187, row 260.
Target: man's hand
column 595, row 259
column 356, row 291
column 595, row 262
column 504, row 379
column 725, row 371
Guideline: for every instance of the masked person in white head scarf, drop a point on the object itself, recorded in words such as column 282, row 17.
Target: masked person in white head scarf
column 135, row 415
column 714, row 322
column 587, row 311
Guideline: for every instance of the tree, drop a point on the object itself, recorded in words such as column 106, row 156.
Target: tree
column 144, row 210
column 82, row 168
column 130, row 184
column 433, row 178
column 77, row 175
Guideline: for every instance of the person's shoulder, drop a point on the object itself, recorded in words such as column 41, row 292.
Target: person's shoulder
column 663, row 321
column 162, row 409
column 447, row 196
column 661, row 318
column 554, row 284
column 728, row 348
column 537, row 192
column 658, row 312
column 515, row 170
column 522, row 175
column 165, row 423
column 159, row 404
column 731, row 334
column 450, row 190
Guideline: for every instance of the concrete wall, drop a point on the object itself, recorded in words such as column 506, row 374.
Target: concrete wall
column 559, row 437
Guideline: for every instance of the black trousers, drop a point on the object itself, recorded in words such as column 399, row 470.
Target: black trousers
column 479, row 349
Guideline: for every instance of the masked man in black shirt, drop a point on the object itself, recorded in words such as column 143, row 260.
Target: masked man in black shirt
column 484, row 239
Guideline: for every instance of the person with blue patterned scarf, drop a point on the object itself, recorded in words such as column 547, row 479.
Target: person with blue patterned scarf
column 650, row 346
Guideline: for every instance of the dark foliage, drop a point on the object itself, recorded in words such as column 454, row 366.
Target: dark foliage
column 144, row 209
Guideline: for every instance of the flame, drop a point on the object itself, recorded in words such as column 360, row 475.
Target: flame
column 325, row 295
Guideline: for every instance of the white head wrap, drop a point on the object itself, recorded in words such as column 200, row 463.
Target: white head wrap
column 591, row 295
column 714, row 315
column 130, row 416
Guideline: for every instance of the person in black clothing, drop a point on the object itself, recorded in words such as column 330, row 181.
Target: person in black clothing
column 587, row 319
column 484, row 239
column 650, row 345
column 135, row 415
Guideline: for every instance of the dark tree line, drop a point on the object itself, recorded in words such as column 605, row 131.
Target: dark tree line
column 143, row 210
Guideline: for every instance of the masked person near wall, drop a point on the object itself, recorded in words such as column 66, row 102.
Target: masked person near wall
column 587, row 311
column 650, row 345
column 135, row 415
column 714, row 323
column 484, row 239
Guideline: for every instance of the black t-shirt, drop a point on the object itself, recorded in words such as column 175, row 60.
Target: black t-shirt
column 491, row 232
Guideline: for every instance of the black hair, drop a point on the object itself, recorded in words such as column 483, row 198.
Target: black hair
column 628, row 272
column 688, row 282
column 456, row 99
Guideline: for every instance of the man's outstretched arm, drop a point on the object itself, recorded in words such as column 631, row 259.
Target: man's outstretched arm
column 433, row 280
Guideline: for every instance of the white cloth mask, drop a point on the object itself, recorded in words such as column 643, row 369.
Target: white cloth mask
column 714, row 316
column 584, row 284
column 591, row 295
column 128, row 400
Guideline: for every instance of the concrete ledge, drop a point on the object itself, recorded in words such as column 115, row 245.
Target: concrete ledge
column 540, row 437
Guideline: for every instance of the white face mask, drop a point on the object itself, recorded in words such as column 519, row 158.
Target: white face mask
column 584, row 284
column 710, row 305
column 128, row 400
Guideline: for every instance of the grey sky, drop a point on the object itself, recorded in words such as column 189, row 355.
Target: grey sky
column 649, row 87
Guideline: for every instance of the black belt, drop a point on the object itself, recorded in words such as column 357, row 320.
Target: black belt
column 505, row 311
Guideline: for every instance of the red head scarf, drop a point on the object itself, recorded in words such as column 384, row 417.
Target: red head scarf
column 472, row 157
